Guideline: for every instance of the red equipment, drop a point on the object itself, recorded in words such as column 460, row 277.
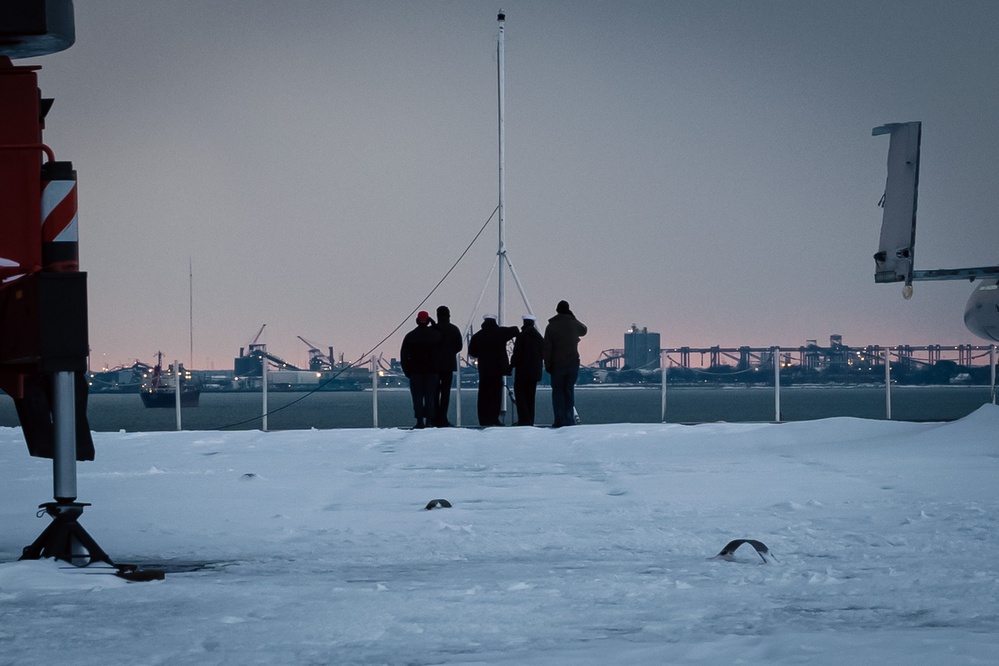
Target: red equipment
column 43, row 296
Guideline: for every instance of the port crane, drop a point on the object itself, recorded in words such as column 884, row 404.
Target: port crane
column 318, row 361
column 254, row 345
column 255, row 354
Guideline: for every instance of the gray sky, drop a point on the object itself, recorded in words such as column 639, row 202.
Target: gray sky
column 705, row 169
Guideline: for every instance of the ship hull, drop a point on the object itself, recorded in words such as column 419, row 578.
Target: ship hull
column 169, row 398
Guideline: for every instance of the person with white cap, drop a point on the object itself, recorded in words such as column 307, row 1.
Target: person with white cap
column 488, row 346
column 527, row 361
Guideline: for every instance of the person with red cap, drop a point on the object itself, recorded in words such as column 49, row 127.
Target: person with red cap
column 417, row 359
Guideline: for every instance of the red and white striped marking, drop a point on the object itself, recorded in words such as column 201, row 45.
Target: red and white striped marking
column 59, row 212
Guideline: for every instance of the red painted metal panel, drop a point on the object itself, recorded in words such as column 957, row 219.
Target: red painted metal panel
column 20, row 170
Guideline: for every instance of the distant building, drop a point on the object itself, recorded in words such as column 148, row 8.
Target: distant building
column 641, row 349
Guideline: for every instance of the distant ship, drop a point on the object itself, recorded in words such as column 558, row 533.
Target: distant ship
column 159, row 389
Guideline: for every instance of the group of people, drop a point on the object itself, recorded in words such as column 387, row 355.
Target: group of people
column 429, row 359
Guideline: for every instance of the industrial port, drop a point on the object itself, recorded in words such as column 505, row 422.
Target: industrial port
column 641, row 360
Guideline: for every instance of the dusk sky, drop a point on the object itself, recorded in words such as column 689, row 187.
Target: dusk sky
column 703, row 169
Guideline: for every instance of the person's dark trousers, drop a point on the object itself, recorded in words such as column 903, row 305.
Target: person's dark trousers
column 524, row 392
column 423, row 388
column 563, row 395
column 443, row 397
column 490, row 400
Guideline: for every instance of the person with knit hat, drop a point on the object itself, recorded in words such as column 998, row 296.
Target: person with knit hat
column 445, row 362
column 526, row 361
column 562, row 362
column 488, row 345
column 417, row 359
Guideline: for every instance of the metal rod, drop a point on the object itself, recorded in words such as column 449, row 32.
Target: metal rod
column 32, row 146
column 457, row 395
column 500, row 84
column 777, row 384
column 992, row 373
column 662, row 363
column 374, row 391
column 975, row 273
column 190, row 307
column 263, row 381
column 520, row 287
column 501, row 251
column 64, row 418
column 485, row 285
column 176, row 390
column 887, row 384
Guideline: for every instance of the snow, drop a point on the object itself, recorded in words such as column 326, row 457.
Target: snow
column 584, row 545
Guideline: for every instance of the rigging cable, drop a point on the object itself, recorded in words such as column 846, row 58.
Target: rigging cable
column 380, row 342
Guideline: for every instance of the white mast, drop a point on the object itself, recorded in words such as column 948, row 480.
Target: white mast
column 190, row 303
column 502, row 260
column 501, row 252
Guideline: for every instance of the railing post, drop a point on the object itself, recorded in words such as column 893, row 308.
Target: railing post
column 457, row 395
column 662, row 364
column 992, row 371
column 176, row 388
column 887, row 384
column 263, row 378
column 777, row 384
column 374, row 391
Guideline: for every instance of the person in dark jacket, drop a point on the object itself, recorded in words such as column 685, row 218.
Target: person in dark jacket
column 488, row 345
column 417, row 359
column 562, row 362
column 445, row 362
column 527, row 359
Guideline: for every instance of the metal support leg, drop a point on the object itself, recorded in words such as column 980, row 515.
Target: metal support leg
column 64, row 538
column 64, row 422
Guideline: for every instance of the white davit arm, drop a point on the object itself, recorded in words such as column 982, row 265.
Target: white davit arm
column 894, row 259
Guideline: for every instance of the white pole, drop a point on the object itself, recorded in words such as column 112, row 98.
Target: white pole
column 501, row 251
column 374, row 391
column 662, row 363
column 501, row 84
column 777, row 384
column 190, row 284
column 992, row 366
column 64, row 426
column 520, row 287
column 457, row 394
column 176, row 390
column 263, row 383
column 887, row 384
